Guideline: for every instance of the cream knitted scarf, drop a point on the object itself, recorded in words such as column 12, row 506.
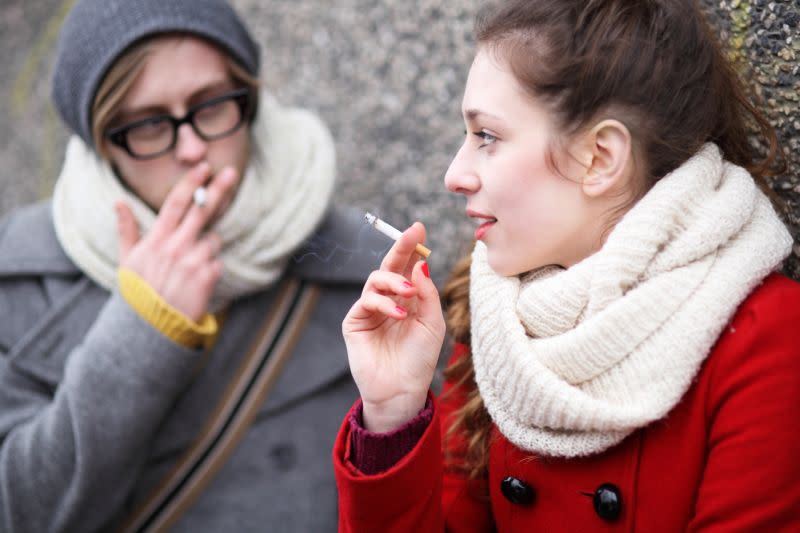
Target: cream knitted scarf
column 569, row 362
column 282, row 197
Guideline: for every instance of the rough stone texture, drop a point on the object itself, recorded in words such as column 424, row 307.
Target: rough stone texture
column 764, row 38
column 388, row 78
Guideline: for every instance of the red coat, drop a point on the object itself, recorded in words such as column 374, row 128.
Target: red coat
column 726, row 458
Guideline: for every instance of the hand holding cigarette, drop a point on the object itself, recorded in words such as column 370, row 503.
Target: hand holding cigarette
column 392, row 232
column 394, row 334
column 178, row 258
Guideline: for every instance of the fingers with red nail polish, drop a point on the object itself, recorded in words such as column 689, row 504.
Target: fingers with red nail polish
column 394, row 334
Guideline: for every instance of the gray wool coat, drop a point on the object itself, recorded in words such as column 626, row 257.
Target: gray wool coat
column 96, row 405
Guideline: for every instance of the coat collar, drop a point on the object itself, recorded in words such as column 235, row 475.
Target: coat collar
column 29, row 246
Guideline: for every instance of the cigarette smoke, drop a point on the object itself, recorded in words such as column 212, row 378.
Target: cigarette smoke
column 364, row 246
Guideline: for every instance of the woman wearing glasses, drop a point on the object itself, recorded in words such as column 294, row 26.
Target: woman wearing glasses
column 170, row 352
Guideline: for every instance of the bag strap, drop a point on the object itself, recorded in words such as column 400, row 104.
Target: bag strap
column 234, row 413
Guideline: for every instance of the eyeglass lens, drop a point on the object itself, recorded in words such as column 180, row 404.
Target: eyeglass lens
column 210, row 121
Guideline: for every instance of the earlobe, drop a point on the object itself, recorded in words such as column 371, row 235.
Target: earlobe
column 610, row 147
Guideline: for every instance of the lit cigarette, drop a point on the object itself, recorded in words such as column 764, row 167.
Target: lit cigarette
column 392, row 232
column 200, row 196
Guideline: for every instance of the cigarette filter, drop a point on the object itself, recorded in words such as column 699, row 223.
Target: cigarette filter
column 392, row 232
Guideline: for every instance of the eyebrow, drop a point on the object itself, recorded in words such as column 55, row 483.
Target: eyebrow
column 472, row 114
column 193, row 99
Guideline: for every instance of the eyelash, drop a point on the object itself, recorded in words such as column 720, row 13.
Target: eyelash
column 488, row 138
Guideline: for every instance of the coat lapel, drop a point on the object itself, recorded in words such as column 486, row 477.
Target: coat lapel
column 42, row 352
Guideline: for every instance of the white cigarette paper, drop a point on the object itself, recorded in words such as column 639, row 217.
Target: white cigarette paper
column 392, row 232
column 200, row 196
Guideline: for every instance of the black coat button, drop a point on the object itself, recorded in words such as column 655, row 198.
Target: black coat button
column 517, row 491
column 284, row 456
column 607, row 502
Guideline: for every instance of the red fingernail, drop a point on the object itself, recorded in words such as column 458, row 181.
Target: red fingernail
column 425, row 270
column 407, row 285
column 400, row 310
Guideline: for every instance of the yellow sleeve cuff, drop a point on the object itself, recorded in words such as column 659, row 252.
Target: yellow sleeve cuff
column 169, row 321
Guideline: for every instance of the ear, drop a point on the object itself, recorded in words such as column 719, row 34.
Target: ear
column 608, row 150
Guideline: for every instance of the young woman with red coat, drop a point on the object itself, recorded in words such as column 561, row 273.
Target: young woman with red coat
column 627, row 357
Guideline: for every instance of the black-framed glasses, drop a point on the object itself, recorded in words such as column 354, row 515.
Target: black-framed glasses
column 213, row 119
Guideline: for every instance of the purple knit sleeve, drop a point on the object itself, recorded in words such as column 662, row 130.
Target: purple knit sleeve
column 373, row 453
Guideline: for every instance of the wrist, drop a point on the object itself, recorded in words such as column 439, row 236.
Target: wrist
column 388, row 415
column 168, row 320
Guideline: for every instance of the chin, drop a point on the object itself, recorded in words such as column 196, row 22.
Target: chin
column 515, row 268
column 502, row 268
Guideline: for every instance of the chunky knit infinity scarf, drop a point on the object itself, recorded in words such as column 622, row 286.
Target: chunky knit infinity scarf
column 569, row 362
column 282, row 197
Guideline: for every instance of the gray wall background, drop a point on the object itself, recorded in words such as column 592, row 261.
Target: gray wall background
column 387, row 76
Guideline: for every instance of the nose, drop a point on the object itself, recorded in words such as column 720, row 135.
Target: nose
column 190, row 148
column 461, row 177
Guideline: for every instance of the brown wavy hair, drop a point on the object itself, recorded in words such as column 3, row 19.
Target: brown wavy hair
column 656, row 66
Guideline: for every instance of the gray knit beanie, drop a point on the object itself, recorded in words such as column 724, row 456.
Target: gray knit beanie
column 96, row 32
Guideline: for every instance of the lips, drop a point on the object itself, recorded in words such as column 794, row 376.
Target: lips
column 488, row 222
column 481, row 230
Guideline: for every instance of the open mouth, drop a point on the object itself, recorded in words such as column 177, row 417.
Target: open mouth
column 481, row 230
column 487, row 221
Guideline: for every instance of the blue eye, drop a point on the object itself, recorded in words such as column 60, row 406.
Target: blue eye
column 487, row 138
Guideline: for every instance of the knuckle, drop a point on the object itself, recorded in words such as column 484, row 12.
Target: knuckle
column 366, row 300
column 205, row 249
column 170, row 208
column 214, row 196
column 374, row 276
column 215, row 242
column 193, row 263
column 170, row 251
column 216, row 269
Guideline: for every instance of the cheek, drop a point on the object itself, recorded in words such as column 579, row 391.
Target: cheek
column 233, row 150
column 149, row 180
column 539, row 213
column 541, row 195
column 525, row 202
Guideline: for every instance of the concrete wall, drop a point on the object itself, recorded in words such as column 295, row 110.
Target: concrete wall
column 388, row 78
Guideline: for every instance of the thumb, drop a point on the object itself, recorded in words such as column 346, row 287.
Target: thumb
column 128, row 229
